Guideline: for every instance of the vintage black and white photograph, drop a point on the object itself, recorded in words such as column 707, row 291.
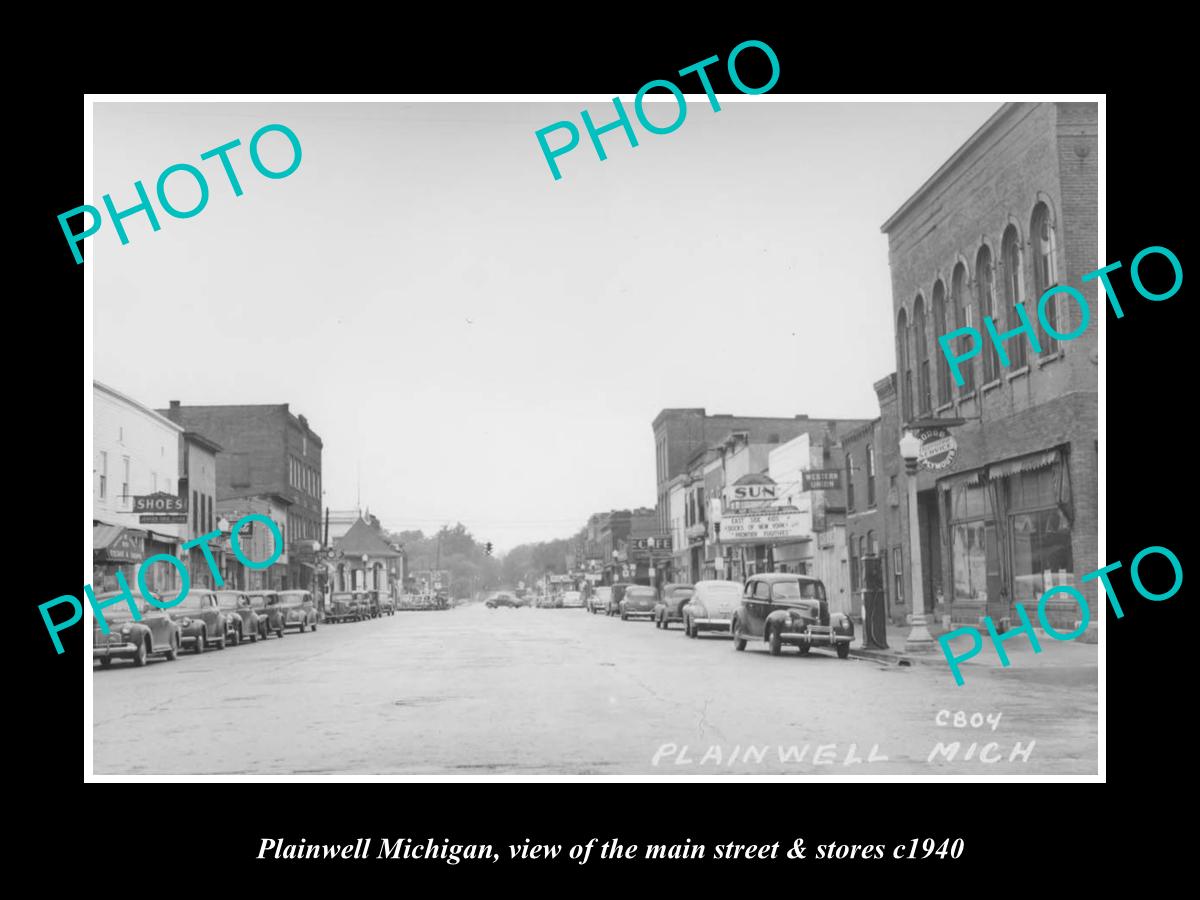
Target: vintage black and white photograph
column 525, row 438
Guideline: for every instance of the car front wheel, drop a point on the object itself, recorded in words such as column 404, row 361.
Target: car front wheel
column 236, row 637
column 105, row 662
column 739, row 642
column 774, row 641
column 173, row 653
column 843, row 649
column 200, row 639
column 139, row 658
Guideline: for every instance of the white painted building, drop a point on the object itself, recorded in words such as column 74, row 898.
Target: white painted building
column 135, row 452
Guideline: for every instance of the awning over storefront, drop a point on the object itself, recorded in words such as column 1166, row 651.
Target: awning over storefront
column 115, row 543
column 1009, row 467
column 1029, row 463
column 161, row 538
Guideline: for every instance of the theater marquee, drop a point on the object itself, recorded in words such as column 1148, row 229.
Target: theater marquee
column 786, row 523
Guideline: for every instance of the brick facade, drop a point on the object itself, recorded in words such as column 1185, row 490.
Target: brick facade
column 266, row 450
column 1026, row 161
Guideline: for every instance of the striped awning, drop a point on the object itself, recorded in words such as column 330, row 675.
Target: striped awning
column 1030, row 463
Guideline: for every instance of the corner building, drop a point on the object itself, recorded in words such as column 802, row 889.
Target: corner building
column 1012, row 213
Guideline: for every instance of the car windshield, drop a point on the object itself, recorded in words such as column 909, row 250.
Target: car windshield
column 721, row 592
column 292, row 599
column 797, row 590
column 228, row 600
column 118, row 612
column 640, row 593
column 603, row 593
column 681, row 592
column 191, row 603
column 260, row 600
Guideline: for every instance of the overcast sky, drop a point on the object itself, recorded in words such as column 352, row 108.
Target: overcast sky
column 486, row 344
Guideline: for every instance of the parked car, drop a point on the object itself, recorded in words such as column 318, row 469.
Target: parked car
column 266, row 604
column 572, row 600
column 712, row 607
column 202, row 622
column 503, row 598
column 341, row 608
column 370, row 600
column 614, row 598
column 599, row 599
column 253, row 626
column 638, row 601
column 670, row 604
column 386, row 603
column 790, row 609
column 156, row 632
column 298, row 610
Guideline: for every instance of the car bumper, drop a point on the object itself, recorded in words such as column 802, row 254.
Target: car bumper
column 816, row 637
column 712, row 624
column 639, row 612
column 115, row 651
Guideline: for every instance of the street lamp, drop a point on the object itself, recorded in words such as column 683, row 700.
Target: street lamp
column 919, row 639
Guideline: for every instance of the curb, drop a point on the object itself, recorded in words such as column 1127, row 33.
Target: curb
column 895, row 657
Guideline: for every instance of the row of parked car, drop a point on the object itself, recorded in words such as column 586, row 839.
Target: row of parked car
column 776, row 608
column 354, row 606
column 205, row 619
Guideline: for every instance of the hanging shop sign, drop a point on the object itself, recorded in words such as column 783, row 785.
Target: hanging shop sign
column 938, row 448
column 161, row 508
column 821, row 479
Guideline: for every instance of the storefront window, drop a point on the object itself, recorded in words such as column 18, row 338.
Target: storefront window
column 1041, row 534
column 969, row 561
column 970, row 510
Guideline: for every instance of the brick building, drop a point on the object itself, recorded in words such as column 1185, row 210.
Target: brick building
column 693, row 451
column 267, row 451
column 1010, row 214
column 872, row 471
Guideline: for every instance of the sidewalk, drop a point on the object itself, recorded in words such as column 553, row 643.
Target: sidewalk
column 1054, row 653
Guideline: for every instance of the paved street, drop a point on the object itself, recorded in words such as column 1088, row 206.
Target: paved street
column 530, row 691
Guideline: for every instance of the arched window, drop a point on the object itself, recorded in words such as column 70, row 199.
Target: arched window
column 985, row 304
column 1010, row 255
column 920, row 342
column 849, row 483
column 870, row 475
column 1045, row 274
column 872, row 547
column 903, row 365
column 940, row 321
column 960, row 300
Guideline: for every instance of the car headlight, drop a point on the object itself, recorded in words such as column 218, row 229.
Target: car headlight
column 126, row 630
column 185, row 622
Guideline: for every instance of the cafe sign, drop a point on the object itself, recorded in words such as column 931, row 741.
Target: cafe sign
column 783, row 523
column 938, row 448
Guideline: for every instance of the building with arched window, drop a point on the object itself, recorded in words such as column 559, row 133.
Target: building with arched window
column 1012, row 213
